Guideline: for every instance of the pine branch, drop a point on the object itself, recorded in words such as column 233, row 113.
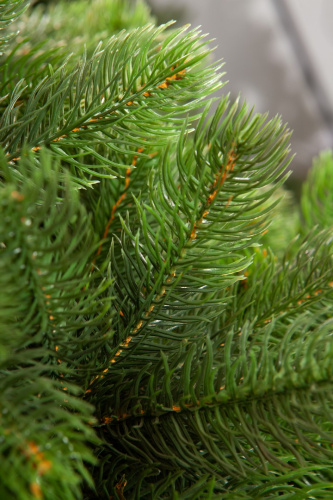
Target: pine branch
column 80, row 25
column 158, row 338
column 103, row 102
column 31, row 66
column 10, row 10
column 279, row 291
column 169, row 270
column 260, row 417
column 316, row 199
column 43, row 311
column 45, row 434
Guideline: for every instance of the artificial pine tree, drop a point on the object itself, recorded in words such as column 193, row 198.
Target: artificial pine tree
column 165, row 313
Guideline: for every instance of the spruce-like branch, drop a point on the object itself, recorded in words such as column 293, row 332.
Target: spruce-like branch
column 158, row 338
column 111, row 103
column 10, row 10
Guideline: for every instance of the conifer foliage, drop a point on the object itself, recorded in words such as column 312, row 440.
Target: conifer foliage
column 165, row 313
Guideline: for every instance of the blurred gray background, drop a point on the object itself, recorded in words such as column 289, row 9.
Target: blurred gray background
column 278, row 55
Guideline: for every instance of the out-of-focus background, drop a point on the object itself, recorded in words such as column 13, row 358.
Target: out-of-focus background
column 278, row 55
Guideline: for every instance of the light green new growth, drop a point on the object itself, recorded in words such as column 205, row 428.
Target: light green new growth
column 165, row 310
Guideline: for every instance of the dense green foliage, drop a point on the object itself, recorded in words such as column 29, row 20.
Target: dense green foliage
column 165, row 308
